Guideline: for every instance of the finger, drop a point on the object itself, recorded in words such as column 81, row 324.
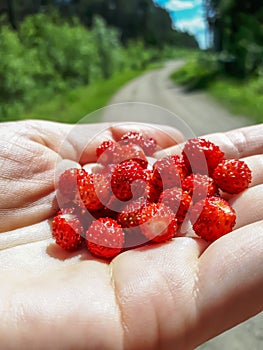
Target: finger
column 255, row 164
column 157, row 283
column 79, row 142
column 164, row 136
column 241, row 142
column 248, row 206
column 230, row 281
column 237, row 143
column 21, row 236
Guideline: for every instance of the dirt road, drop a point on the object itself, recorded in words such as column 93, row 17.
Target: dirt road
column 202, row 115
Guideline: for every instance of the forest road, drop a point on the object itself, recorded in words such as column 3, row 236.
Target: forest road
column 203, row 115
column 198, row 110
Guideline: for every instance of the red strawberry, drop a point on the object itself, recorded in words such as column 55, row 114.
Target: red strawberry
column 105, row 238
column 128, row 180
column 153, row 191
column 105, row 151
column 133, row 137
column 129, row 219
column 177, row 200
column 148, row 145
column 67, row 184
column 199, row 186
column 168, row 172
column 114, row 206
column 131, row 213
column 232, row 176
column 94, row 191
column 104, row 170
column 158, row 222
column 67, row 230
column 124, row 152
column 212, row 218
column 201, row 156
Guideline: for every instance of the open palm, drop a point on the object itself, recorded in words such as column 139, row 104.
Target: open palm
column 170, row 296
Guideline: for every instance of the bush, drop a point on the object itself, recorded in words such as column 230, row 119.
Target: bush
column 16, row 80
column 65, row 54
column 197, row 73
column 110, row 52
column 49, row 55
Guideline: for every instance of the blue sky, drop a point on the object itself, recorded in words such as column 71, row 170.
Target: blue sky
column 187, row 15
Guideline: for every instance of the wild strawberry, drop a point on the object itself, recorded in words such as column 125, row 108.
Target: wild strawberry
column 199, row 186
column 148, row 145
column 179, row 161
column 201, row 156
column 177, row 200
column 158, row 222
column 153, row 191
column 67, row 231
column 114, row 206
column 131, row 213
column 232, row 176
column 168, row 172
column 212, row 218
column 124, row 152
column 105, row 151
column 106, row 170
column 94, row 191
column 68, row 211
column 67, row 184
column 133, row 137
column 105, row 238
column 128, row 180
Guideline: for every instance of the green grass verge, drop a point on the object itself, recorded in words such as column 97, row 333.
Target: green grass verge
column 243, row 97
column 74, row 104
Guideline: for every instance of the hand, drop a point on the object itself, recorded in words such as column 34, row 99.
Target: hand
column 175, row 295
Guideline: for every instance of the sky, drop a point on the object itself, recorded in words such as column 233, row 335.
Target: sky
column 188, row 16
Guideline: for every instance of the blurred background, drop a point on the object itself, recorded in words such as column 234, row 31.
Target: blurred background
column 62, row 59
column 201, row 59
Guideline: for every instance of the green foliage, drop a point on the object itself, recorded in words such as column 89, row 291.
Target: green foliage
column 137, row 56
column 238, row 33
column 65, row 54
column 135, row 20
column 16, row 81
column 72, row 105
column 49, row 56
column 241, row 97
column 110, row 55
column 197, row 73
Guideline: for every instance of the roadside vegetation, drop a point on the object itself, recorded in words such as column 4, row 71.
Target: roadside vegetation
column 232, row 70
column 57, row 68
column 241, row 96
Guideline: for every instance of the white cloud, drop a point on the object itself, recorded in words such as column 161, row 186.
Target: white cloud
column 177, row 5
column 195, row 26
column 192, row 25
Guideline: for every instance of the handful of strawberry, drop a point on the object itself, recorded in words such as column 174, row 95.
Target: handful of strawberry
column 127, row 203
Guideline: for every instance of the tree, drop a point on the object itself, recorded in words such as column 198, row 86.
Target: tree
column 237, row 31
column 137, row 19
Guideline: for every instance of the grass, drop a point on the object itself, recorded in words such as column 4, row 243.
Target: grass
column 243, row 97
column 74, row 104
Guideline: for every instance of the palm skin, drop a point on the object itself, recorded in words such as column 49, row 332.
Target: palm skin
column 170, row 296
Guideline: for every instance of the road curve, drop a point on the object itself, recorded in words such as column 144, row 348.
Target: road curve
column 200, row 112
column 203, row 115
